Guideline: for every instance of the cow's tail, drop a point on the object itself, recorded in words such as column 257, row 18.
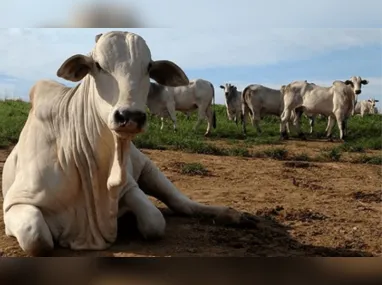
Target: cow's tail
column 244, row 105
column 213, row 107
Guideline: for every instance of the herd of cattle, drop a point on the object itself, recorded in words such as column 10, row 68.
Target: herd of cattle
column 75, row 170
column 337, row 103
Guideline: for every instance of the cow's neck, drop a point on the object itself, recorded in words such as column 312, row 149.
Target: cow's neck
column 101, row 160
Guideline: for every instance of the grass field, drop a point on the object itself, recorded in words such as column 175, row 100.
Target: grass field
column 311, row 198
column 227, row 140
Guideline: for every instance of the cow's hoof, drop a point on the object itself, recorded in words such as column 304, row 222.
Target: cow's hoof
column 234, row 218
column 39, row 248
column 302, row 136
column 284, row 136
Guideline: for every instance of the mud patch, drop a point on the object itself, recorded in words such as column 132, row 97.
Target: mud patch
column 304, row 215
column 374, row 197
column 306, row 184
column 298, row 164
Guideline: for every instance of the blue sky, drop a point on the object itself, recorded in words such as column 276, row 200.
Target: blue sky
column 241, row 56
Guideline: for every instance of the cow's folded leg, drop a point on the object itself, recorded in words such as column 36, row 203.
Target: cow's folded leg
column 154, row 183
column 27, row 224
column 150, row 220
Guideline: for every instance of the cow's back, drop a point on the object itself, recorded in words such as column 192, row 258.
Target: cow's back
column 266, row 99
column 202, row 89
column 196, row 93
column 318, row 99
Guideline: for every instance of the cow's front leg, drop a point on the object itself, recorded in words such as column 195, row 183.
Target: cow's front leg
column 150, row 221
column 27, row 224
column 154, row 183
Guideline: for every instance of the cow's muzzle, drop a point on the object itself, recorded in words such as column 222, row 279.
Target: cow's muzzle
column 129, row 121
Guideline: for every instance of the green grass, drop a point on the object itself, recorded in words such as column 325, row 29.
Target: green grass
column 333, row 154
column 13, row 115
column 276, row 153
column 369, row 159
column 363, row 134
column 193, row 169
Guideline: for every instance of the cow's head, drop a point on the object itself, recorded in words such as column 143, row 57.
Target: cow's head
column 230, row 93
column 372, row 102
column 356, row 83
column 121, row 66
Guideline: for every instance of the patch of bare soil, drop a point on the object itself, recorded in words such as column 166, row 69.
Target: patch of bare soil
column 375, row 196
column 320, row 209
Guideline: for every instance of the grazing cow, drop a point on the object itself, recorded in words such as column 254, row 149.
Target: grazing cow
column 232, row 102
column 198, row 94
column 366, row 107
column 75, row 170
column 257, row 101
column 162, row 104
column 336, row 101
column 356, row 82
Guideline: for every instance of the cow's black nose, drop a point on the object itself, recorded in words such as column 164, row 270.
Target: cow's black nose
column 358, row 92
column 122, row 117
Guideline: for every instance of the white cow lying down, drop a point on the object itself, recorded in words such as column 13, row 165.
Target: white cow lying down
column 74, row 170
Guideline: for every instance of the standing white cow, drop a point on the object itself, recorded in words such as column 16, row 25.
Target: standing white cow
column 336, row 101
column 366, row 107
column 199, row 94
column 232, row 102
column 257, row 101
column 356, row 82
column 74, row 170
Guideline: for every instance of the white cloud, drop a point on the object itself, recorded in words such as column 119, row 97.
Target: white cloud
column 35, row 53
column 30, row 54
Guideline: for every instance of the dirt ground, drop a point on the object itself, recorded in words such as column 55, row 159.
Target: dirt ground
column 306, row 209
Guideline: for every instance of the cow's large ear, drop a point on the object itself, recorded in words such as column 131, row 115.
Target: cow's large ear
column 222, row 87
column 167, row 73
column 365, row 82
column 349, row 82
column 75, row 68
column 282, row 89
